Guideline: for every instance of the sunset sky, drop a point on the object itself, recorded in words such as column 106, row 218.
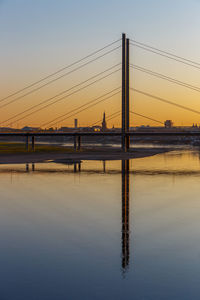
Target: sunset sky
column 40, row 37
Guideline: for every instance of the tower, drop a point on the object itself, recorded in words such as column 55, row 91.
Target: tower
column 104, row 126
column 75, row 123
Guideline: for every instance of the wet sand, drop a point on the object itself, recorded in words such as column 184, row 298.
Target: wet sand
column 71, row 157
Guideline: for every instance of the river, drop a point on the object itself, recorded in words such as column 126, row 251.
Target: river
column 102, row 230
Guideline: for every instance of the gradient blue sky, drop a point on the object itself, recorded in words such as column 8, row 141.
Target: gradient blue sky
column 40, row 36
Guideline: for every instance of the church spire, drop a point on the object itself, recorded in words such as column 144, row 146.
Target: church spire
column 104, row 126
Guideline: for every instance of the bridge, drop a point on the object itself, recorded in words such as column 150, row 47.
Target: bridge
column 124, row 89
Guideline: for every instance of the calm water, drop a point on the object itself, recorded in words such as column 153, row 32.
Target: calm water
column 99, row 233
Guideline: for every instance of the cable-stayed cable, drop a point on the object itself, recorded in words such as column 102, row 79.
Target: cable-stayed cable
column 170, row 79
column 165, row 52
column 78, row 108
column 56, row 79
column 90, row 106
column 62, row 93
column 60, row 70
column 145, row 117
column 116, row 114
column 137, row 114
column 60, row 99
column 166, row 101
column 167, row 56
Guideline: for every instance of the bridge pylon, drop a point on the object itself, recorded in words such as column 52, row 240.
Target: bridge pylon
column 125, row 94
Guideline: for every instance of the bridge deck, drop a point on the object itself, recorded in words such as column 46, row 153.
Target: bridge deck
column 25, row 134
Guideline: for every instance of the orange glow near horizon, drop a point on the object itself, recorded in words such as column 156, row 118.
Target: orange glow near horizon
column 138, row 103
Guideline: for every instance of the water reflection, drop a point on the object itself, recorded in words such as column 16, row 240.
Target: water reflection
column 104, row 166
column 125, row 237
column 178, row 163
column 125, row 215
column 27, row 168
column 125, row 231
column 186, row 165
column 74, row 238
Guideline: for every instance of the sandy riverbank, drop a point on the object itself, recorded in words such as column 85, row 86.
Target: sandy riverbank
column 109, row 154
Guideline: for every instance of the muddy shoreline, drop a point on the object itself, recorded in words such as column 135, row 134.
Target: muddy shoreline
column 108, row 154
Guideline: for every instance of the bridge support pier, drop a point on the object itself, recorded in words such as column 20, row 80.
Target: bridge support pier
column 27, row 143
column 79, row 143
column 75, row 143
column 33, row 143
column 127, row 142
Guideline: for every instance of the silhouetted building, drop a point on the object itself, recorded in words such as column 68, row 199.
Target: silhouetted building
column 28, row 128
column 66, row 129
column 168, row 124
column 104, row 126
column 75, row 123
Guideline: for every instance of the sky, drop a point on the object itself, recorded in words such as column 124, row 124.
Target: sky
column 40, row 37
